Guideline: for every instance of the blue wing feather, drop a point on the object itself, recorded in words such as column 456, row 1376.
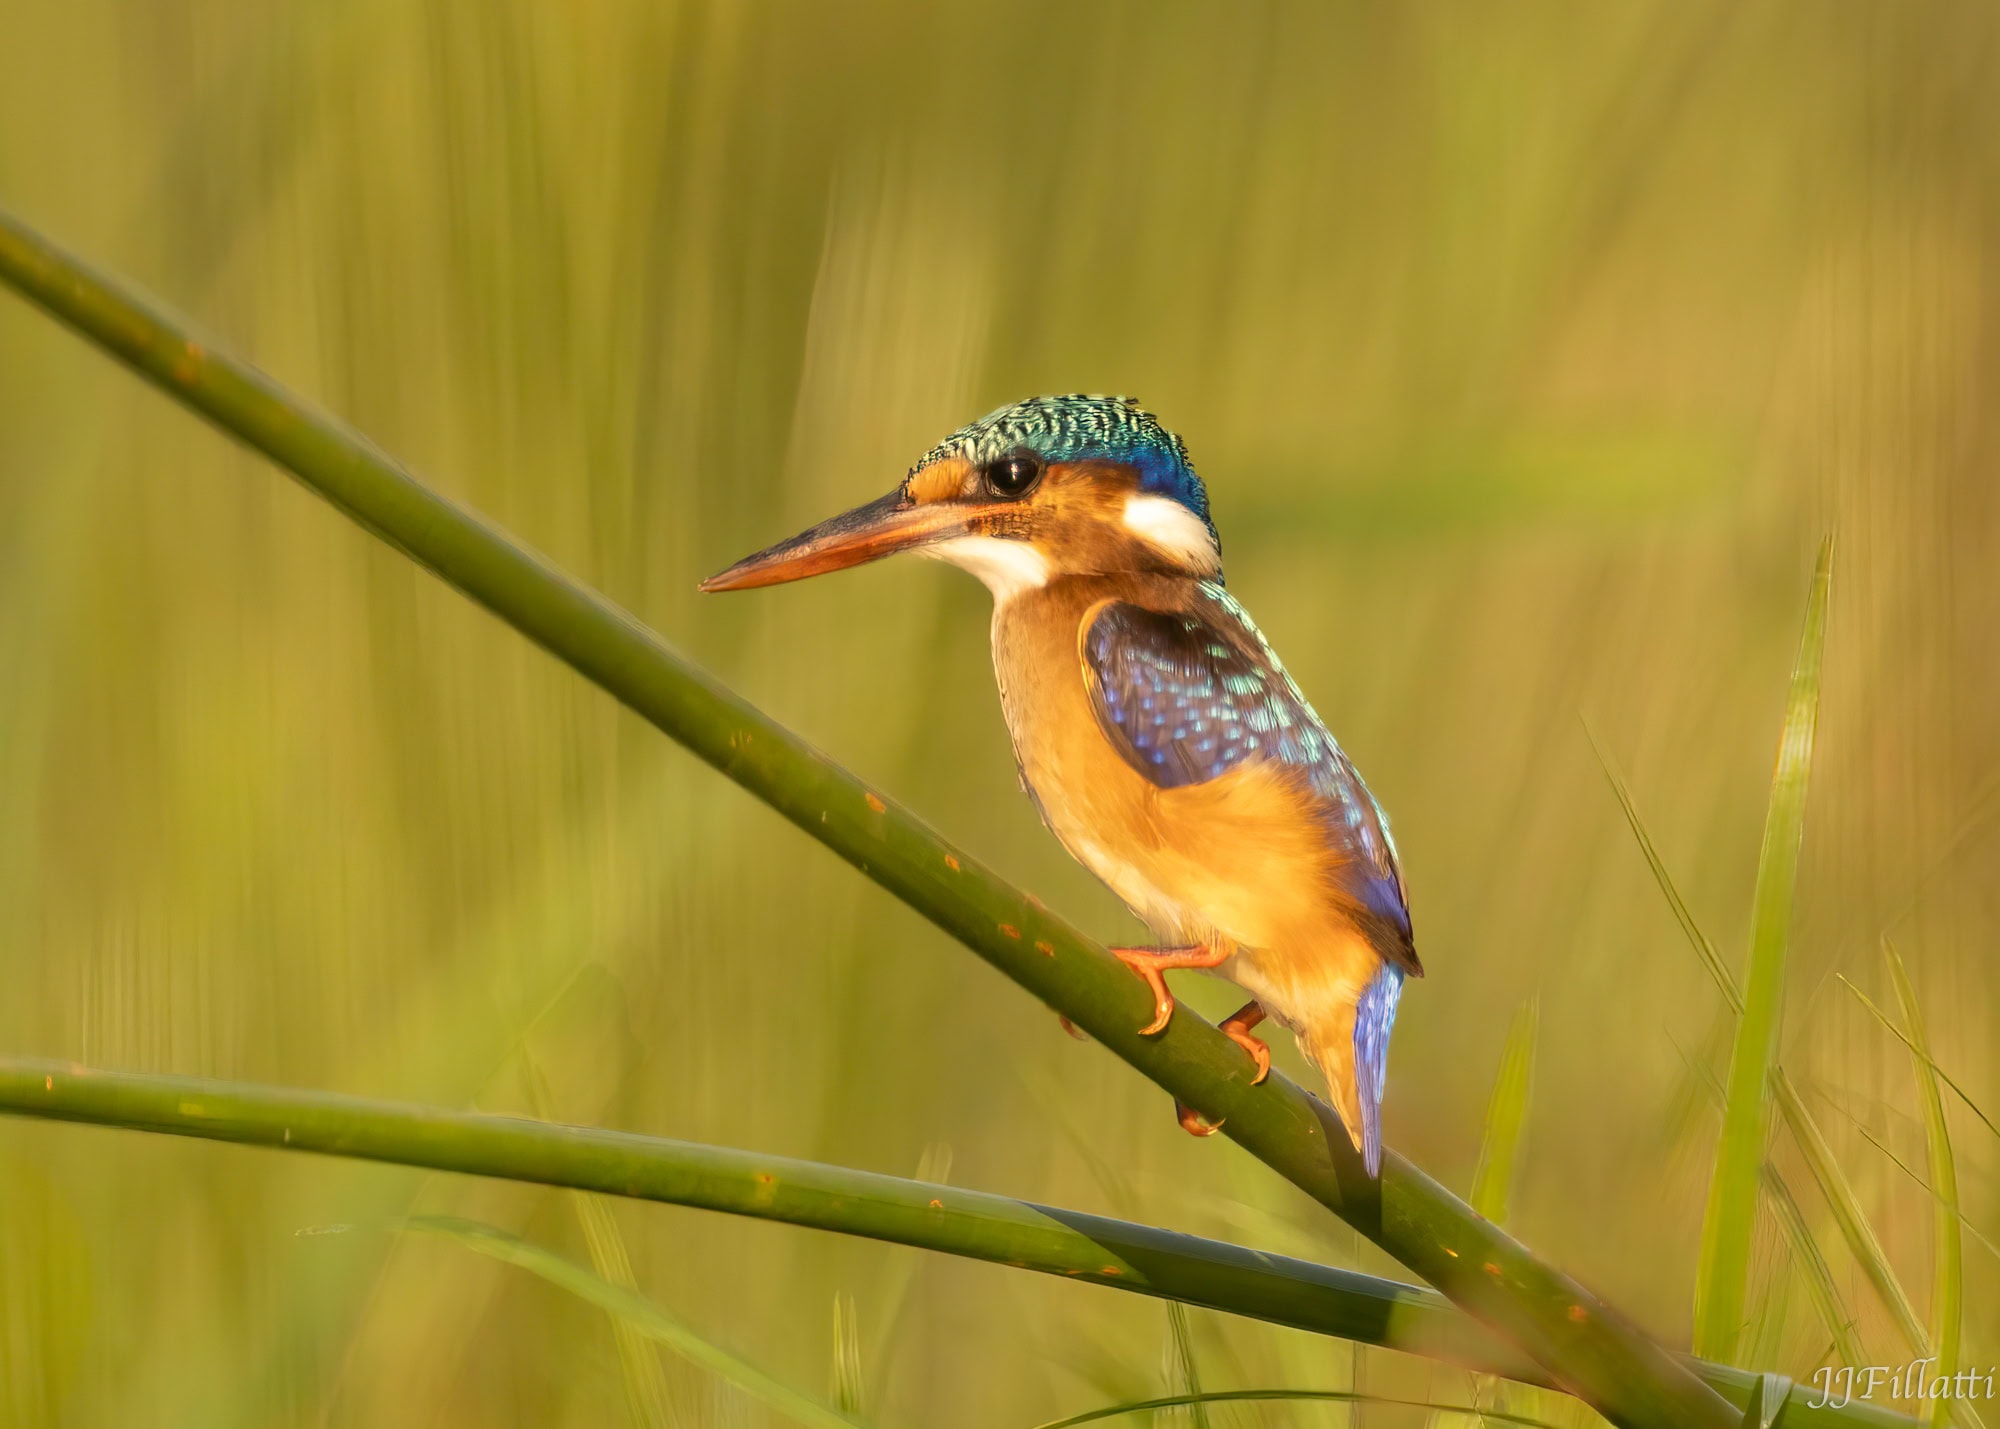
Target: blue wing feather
column 1188, row 695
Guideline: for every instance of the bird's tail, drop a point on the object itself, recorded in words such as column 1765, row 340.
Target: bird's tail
column 1354, row 1053
column 1374, row 1018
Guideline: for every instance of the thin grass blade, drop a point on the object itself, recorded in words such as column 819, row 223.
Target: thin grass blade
column 1821, row 1288
column 635, row 1310
column 1900, row 1035
column 1847, row 1214
column 1499, row 1153
column 1764, row 1342
column 1725, row 981
column 1768, row 1402
column 1279, row 1396
column 1506, row 1116
column 899, row 1273
column 1722, row 1281
column 1947, row 1276
column 1916, row 1179
column 1183, row 1371
column 638, row 1362
column 847, row 1380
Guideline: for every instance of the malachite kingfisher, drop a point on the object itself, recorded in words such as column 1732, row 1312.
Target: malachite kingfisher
column 1157, row 733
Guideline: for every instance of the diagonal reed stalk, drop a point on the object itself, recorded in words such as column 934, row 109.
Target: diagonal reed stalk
column 976, row 1225
column 1589, row 1348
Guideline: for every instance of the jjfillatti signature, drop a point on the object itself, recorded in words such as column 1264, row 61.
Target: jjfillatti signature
column 1840, row 1385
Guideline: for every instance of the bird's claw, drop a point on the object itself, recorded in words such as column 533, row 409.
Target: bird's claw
column 1071, row 1028
column 1193, row 1122
column 1236, row 1027
column 1259, row 1050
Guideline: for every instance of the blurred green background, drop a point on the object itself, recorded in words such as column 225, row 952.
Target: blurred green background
column 1527, row 350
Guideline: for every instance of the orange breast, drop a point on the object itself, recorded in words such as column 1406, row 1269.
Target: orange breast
column 1243, row 855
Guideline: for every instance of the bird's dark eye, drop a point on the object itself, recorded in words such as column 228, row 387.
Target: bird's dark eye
column 1014, row 475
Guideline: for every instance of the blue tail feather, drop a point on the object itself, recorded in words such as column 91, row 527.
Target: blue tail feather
column 1374, row 1018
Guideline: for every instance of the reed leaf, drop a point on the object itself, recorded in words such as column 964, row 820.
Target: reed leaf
column 1591, row 1348
column 1723, row 1276
column 976, row 1225
column 629, row 1307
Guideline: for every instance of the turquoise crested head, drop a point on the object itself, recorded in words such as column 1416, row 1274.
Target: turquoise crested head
column 1083, row 427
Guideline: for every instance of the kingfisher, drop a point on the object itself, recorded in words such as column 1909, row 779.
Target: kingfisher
column 1154, row 728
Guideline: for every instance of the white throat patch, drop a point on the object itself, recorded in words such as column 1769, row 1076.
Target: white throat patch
column 1007, row 567
column 1168, row 526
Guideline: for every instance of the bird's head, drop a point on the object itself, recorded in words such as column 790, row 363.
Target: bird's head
column 1048, row 487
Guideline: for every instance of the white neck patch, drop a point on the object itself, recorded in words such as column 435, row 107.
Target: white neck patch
column 1007, row 567
column 1169, row 527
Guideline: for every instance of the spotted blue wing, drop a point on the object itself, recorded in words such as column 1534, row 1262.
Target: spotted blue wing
column 1188, row 695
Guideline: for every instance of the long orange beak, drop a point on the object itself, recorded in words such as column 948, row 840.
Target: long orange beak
column 867, row 533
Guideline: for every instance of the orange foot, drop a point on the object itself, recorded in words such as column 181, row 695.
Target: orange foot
column 1150, row 963
column 1236, row 1027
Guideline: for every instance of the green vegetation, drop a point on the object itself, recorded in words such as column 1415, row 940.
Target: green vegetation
column 1948, row 1278
column 1184, row 1270
column 1590, row 1348
column 1527, row 354
column 1726, row 1231
column 1506, row 1118
column 634, row 1312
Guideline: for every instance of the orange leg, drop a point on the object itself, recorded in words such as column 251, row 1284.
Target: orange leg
column 1150, row 963
column 1236, row 1027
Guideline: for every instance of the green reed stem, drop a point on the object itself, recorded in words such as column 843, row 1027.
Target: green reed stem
column 975, row 1224
column 1586, row 1345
